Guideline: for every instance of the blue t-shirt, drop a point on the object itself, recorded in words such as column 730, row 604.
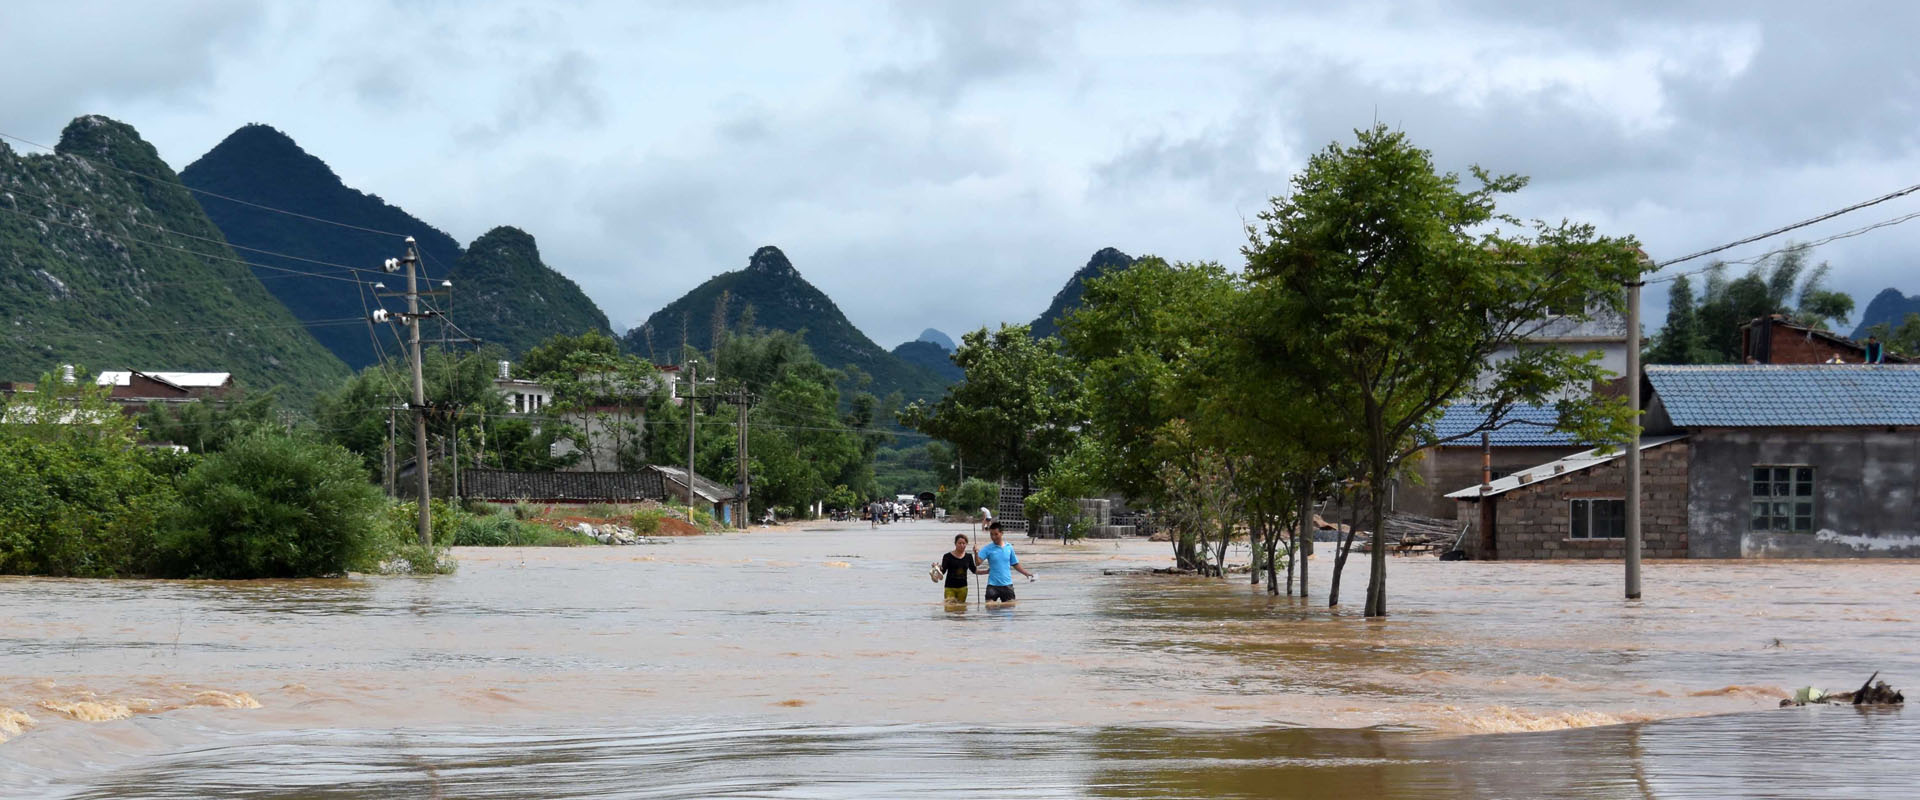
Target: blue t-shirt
column 1000, row 560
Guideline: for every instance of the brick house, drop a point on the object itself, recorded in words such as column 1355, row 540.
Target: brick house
column 1741, row 461
column 1525, row 437
column 1778, row 340
column 1796, row 461
column 1576, row 507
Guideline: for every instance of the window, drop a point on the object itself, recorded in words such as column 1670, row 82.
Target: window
column 1782, row 499
column 1598, row 518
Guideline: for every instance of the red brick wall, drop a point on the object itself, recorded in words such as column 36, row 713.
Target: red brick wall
column 1789, row 345
column 1533, row 521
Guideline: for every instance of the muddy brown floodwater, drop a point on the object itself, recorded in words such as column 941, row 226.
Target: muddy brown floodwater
column 822, row 664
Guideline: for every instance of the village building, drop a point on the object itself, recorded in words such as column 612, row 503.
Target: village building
column 137, row 388
column 1740, row 461
column 1778, row 340
column 718, row 499
column 1525, row 437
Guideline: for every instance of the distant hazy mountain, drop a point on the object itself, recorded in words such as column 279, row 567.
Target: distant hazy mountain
column 260, row 165
column 1105, row 261
column 503, row 294
column 936, row 337
column 781, row 300
column 932, row 356
column 1889, row 306
column 109, row 270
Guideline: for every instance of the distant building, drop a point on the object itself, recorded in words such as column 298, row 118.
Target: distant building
column 1778, row 340
column 522, row 396
column 1526, row 437
column 1605, row 332
column 1754, row 460
column 717, row 499
column 137, row 388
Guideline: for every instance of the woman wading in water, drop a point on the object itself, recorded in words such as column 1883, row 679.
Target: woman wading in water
column 955, row 567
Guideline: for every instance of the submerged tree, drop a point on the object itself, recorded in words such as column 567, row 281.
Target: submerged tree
column 1392, row 281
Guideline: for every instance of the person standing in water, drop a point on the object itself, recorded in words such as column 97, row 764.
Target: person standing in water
column 955, row 567
column 1001, row 564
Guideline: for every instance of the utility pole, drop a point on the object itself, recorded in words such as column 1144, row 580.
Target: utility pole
column 693, row 391
column 746, row 508
column 1633, row 447
column 387, row 473
column 411, row 318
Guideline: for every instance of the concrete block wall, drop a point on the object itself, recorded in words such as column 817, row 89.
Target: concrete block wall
column 1534, row 521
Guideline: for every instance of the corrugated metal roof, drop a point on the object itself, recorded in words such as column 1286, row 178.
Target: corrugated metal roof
column 185, row 380
column 1788, row 395
column 1584, row 459
column 1521, row 426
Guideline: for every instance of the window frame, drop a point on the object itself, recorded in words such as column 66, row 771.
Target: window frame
column 1575, row 519
column 1776, row 502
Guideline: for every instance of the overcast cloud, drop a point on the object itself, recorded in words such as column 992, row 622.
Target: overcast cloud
column 949, row 164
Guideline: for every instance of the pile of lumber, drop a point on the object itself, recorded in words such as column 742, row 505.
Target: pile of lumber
column 1406, row 533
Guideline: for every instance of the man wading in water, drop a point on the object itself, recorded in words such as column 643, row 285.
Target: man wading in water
column 1001, row 564
column 955, row 566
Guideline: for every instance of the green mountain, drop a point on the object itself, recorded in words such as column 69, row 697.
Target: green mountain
column 780, row 300
column 503, row 294
column 936, row 336
column 108, row 262
column 262, row 166
column 932, row 356
column 1889, row 306
column 1105, row 261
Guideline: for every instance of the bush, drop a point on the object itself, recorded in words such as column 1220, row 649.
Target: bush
column 76, row 497
column 502, row 530
column 968, row 498
column 274, row 505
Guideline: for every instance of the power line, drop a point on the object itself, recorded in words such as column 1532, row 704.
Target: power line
column 1801, row 224
column 196, row 253
column 176, row 182
column 1789, row 248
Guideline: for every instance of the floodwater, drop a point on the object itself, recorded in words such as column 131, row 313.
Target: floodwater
column 822, row 664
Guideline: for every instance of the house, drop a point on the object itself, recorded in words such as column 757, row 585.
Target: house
column 1603, row 330
column 717, row 499
column 1740, row 461
column 1778, row 340
column 136, row 388
column 1803, row 460
column 1525, row 437
column 523, row 396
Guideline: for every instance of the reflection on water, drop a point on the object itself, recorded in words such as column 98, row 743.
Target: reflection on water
column 789, row 654
column 1824, row 752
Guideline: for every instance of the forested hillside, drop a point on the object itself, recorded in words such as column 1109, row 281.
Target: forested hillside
column 107, row 261
column 1105, row 261
column 259, row 165
column 780, row 300
column 504, row 294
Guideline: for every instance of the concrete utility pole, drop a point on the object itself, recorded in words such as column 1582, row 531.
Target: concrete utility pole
column 693, row 391
column 1633, row 447
column 388, row 483
column 425, row 522
column 746, row 507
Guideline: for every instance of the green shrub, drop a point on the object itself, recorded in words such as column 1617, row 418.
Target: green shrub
column 647, row 520
column 524, row 510
column 969, row 497
column 76, row 497
column 502, row 530
column 274, row 505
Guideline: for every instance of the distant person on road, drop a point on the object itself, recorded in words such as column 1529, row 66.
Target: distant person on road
column 1001, row 564
column 955, row 567
column 873, row 514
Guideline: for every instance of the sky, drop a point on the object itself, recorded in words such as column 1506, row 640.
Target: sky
column 949, row 164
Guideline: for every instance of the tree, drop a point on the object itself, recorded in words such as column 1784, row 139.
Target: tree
column 1768, row 288
column 274, row 505
column 1679, row 341
column 1013, row 413
column 1387, row 278
column 1904, row 340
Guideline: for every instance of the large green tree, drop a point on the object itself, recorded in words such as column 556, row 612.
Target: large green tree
column 1014, row 413
column 1401, row 286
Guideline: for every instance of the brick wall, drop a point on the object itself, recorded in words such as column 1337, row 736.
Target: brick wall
column 1534, row 521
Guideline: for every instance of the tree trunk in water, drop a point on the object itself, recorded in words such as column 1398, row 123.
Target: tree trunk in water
column 1273, row 564
column 1256, row 539
column 1377, row 579
column 1303, row 530
column 1344, row 549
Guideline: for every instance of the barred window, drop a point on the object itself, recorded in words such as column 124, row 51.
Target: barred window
column 1782, row 499
column 1597, row 518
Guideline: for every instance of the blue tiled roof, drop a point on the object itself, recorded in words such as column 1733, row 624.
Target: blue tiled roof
column 1523, row 426
column 1788, row 395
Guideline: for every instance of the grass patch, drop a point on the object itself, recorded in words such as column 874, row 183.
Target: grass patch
column 507, row 530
